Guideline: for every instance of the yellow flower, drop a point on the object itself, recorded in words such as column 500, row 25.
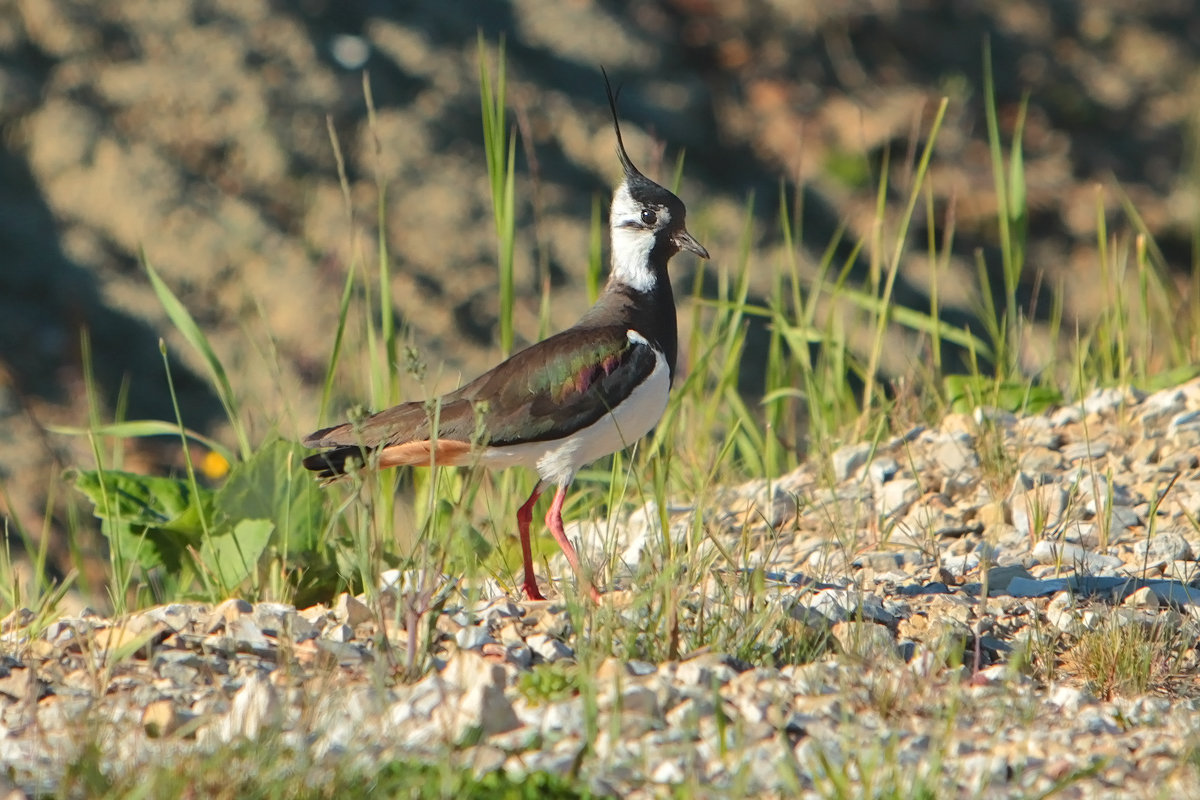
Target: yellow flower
column 214, row 466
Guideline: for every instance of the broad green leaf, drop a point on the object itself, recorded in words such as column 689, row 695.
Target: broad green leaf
column 145, row 500
column 233, row 555
column 965, row 392
column 273, row 485
column 1172, row 377
column 149, row 547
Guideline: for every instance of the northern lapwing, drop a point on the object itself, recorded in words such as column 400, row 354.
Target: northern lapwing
column 564, row 402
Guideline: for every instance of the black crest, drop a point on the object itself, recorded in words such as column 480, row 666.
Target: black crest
column 630, row 169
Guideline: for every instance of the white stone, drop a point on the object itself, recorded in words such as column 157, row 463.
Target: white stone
column 1161, row 548
column 1062, row 615
column 473, row 636
column 351, row 610
column 1069, row 699
column 1104, row 400
column 839, row 605
column 882, row 469
column 846, row 460
column 1067, row 415
column 483, row 708
column 1162, row 404
column 255, row 706
column 548, row 647
column 897, row 496
column 961, row 565
column 1071, row 556
column 340, row 633
column 669, row 771
column 1142, row 598
column 246, row 633
column 1098, row 493
column 956, row 454
column 1039, row 510
column 1183, row 421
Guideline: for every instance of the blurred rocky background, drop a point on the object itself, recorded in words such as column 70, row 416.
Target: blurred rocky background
column 197, row 132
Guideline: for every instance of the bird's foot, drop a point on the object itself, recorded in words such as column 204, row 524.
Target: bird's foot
column 532, row 592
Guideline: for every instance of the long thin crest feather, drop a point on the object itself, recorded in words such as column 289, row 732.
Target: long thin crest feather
column 626, row 163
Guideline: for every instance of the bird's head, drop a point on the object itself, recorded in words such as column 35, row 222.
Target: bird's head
column 647, row 221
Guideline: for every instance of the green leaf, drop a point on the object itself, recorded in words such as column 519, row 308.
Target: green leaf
column 273, row 485
column 232, row 556
column 1171, row 378
column 965, row 392
column 147, row 519
column 145, row 500
column 149, row 547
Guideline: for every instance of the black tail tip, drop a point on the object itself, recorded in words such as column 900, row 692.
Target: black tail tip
column 333, row 463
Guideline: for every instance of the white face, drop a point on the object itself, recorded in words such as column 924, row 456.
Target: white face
column 634, row 226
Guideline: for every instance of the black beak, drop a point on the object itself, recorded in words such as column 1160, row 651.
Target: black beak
column 684, row 241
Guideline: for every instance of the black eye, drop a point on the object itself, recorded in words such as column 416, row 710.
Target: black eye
column 648, row 216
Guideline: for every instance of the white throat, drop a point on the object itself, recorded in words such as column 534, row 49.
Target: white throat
column 631, row 245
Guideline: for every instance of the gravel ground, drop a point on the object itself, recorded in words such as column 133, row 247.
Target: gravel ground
column 959, row 588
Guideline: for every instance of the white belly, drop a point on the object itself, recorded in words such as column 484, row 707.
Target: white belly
column 557, row 461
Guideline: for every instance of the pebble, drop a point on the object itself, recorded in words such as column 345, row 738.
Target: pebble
column 340, row 633
column 483, row 708
column 848, row 459
column 867, row 641
column 839, row 605
column 956, row 454
column 549, row 648
column 1073, row 556
column 1162, row 548
column 898, row 496
column 882, row 469
column 1184, row 421
column 351, row 611
column 1144, row 598
column 473, row 636
column 255, row 706
column 1038, row 510
column 1103, row 401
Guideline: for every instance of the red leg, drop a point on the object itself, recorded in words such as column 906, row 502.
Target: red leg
column 524, row 515
column 555, row 523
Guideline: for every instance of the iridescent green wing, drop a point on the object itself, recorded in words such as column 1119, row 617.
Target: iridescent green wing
column 559, row 385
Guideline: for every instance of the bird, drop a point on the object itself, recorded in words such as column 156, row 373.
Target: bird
column 565, row 401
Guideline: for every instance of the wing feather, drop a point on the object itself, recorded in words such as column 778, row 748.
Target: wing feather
column 545, row 392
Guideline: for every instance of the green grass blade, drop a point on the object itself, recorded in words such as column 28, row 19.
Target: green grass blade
column 187, row 326
column 387, row 381
column 143, row 428
column 500, row 151
column 595, row 269
column 883, row 313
